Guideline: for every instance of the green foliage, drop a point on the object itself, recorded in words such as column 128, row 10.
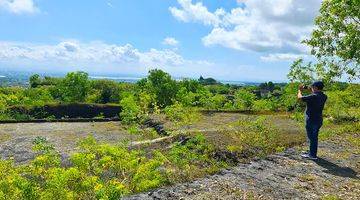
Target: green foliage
column 102, row 171
column 288, row 99
column 36, row 97
column 187, row 98
column 244, row 99
column 217, row 101
column 192, row 159
column 207, row 81
column 195, row 150
column 34, row 80
column 270, row 86
column 164, row 88
column 37, row 81
column 106, row 91
column 301, row 73
column 344, row 105
column 97, row 172
column 307, row 73
column 28, row 97
column 74, row 87
column 266, row 105
column 146, row 102
column 256, row 137
column 335, row 40
column 180, row 114
column 189, row 92
column 158, row 92
column 218, row 89
column 131, row 111
column 210, row 101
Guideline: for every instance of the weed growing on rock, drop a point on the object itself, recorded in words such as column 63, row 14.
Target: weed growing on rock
column 98, row 171
column 191, row 160
column 181, row 115
column 103, row 171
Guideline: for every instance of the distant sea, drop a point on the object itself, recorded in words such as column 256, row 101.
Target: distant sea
column 118, row 79
column 21, row 78
column 129, row 79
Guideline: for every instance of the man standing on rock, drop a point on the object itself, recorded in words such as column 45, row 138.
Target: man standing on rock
column 313, row 115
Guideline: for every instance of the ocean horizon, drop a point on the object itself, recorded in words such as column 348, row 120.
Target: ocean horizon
column 128, row 78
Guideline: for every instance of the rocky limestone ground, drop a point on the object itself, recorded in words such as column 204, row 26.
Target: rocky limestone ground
column 16, row 139
column 281, row 176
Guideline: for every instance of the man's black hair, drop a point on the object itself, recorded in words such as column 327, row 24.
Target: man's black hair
column 318, row 84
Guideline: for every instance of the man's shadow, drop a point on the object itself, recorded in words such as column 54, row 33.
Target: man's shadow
column 336, row 170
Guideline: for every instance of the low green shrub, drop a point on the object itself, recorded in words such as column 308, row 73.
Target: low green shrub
column 244, row 100
column 181, row 114
column 131, row 111
column 192, row 160
column 98, row 171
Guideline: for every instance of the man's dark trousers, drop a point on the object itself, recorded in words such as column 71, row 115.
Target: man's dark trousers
column 312, row 130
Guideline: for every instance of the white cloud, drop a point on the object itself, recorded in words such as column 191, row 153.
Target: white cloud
column 92, row 54
column 19, row 6
column 197, row 12
column 282, row 57
column 170, row 41
column 267, row 26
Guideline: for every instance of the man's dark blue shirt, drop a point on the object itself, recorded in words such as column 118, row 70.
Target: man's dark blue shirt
column 314, row 107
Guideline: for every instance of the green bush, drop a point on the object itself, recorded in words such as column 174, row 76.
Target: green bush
column 256, row 138
column 266, row 105
column 191, row 160
column 244, row 99
column 96, row 172
column 180, row 114
column 162, row 86
column 104, row 91
column 74, row 87
column 343, row 105
column 130, row 111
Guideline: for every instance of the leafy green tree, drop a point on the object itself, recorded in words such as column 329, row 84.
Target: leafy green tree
column 267, row 86
column 109, row 91
column 189, row 92
column 207, row 81
column 190, row 85
column 74, row 87
column 48, row 80
column 146, row 102
column 36, row 97
column 130, row 111
column 185, row 97
column 288, row 99
column 300, row 72
column 244, row 99
column 335, row 40
column 163, row 86
column 35, row 80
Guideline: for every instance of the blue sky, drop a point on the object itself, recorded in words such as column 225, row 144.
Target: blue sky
column 249, row 40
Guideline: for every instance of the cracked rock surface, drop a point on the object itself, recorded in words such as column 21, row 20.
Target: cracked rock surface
column 281, row 176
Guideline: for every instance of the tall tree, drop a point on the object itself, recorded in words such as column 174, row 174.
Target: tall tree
column 34, row 80
column 335, row 40
column 74, row 87
column 163, row 86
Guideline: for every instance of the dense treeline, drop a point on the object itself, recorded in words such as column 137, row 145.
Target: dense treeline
column 159, row 92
